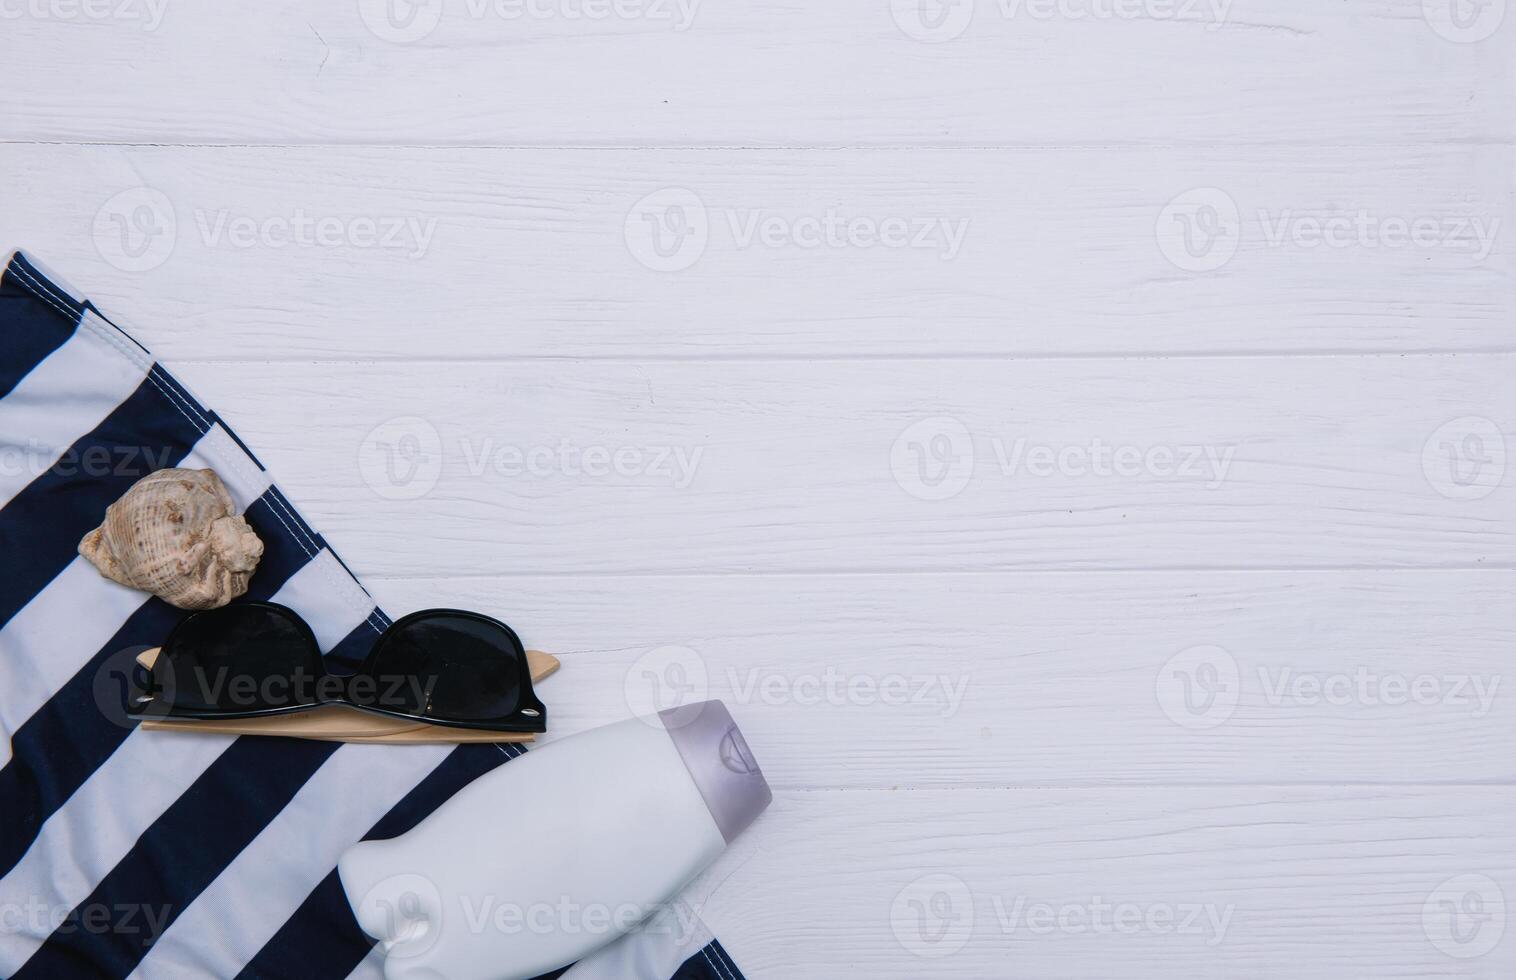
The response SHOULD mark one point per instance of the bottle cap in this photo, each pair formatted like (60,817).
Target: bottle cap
(720,763)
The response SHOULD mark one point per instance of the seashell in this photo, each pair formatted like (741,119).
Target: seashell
(176,534)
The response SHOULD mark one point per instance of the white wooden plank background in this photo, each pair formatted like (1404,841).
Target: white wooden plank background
(844,73)
(527,252)
(1357,548)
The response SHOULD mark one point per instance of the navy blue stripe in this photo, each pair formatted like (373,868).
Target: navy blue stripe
(183,852)
(348,655)
(34,279)
(698,967)
(30,278)
(296,523)
(72,735)
(41,526)
(322,939)
(30,329)
(180,396)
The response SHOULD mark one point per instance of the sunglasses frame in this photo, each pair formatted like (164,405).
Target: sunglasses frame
(529,715)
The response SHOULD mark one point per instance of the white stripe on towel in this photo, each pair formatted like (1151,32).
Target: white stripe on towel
(371,967)
(65,397)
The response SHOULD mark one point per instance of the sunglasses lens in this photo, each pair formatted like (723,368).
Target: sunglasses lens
(455,667)
(239,658)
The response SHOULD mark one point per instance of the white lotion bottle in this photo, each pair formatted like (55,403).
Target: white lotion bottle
(541,861)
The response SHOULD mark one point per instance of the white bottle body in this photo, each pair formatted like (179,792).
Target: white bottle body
(537,863)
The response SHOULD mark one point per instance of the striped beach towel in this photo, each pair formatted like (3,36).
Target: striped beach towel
(125,852)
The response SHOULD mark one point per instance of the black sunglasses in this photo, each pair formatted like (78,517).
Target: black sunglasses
(251,659)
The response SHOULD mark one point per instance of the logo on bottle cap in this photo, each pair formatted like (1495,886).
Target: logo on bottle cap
(735,754)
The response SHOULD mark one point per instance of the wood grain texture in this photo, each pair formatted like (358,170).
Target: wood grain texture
(1371,72)
(777,466)
(1319,883)
(1143,689)
(904,681)
(513,253)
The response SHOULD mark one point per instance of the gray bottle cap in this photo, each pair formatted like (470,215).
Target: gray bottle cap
(720,763)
